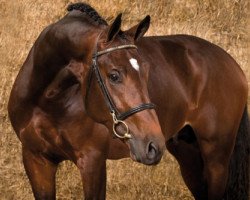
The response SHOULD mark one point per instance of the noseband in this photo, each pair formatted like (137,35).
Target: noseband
(116,115)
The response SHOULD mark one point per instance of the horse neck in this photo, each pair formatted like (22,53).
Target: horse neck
(49,55)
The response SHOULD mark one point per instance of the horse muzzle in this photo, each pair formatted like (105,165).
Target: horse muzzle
(148,153)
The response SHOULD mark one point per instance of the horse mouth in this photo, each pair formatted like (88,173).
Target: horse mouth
(149,156)
(134,158)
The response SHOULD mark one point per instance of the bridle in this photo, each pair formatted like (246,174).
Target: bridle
(116,115)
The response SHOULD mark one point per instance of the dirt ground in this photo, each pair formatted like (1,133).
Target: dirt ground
(224,22)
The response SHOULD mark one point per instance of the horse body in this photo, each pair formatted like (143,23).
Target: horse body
(186,82)
(47,107)
(199,91)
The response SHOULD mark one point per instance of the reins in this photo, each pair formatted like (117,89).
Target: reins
(116,115)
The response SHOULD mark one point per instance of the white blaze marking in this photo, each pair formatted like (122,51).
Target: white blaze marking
(134,64)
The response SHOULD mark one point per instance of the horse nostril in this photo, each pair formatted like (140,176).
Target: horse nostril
(151,151)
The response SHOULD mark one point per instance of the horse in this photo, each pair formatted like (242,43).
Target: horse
(84,79)
(81,72)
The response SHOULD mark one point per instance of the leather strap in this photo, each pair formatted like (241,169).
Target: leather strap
(132,111)
(104,89)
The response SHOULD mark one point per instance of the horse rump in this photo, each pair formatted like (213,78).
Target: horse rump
(238,179)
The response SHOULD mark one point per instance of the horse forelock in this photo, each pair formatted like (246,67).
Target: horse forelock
(89,11)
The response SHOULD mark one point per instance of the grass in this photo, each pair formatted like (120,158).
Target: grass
(223,22)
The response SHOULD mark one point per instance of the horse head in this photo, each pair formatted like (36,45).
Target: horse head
(117,94)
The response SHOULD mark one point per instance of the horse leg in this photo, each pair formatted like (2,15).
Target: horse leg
(41,173)
(216,157)
(92,166)
(185,149)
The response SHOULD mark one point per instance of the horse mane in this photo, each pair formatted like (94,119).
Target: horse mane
(89,11)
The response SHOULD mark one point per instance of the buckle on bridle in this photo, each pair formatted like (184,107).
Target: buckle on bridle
(117,122)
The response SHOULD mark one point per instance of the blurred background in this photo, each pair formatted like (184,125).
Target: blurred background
(223,22)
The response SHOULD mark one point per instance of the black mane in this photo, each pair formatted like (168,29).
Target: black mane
(89,11)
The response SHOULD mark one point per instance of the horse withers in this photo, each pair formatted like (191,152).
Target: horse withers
(81,71)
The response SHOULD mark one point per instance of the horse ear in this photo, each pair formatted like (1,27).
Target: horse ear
(114,28)
(140,29)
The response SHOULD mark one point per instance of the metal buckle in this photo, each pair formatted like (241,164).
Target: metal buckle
(126,135)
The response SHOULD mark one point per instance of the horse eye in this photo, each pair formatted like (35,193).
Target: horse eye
(114,77)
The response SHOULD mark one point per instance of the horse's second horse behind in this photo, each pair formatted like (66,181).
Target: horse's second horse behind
(81,71)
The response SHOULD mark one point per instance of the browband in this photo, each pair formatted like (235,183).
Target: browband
(126,46)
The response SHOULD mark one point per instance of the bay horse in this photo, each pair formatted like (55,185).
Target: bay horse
(84,79)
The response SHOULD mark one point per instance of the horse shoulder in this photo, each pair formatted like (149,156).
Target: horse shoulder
(221,93)
(191,79)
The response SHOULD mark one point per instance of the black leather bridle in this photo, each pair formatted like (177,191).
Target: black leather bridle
(117,116)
